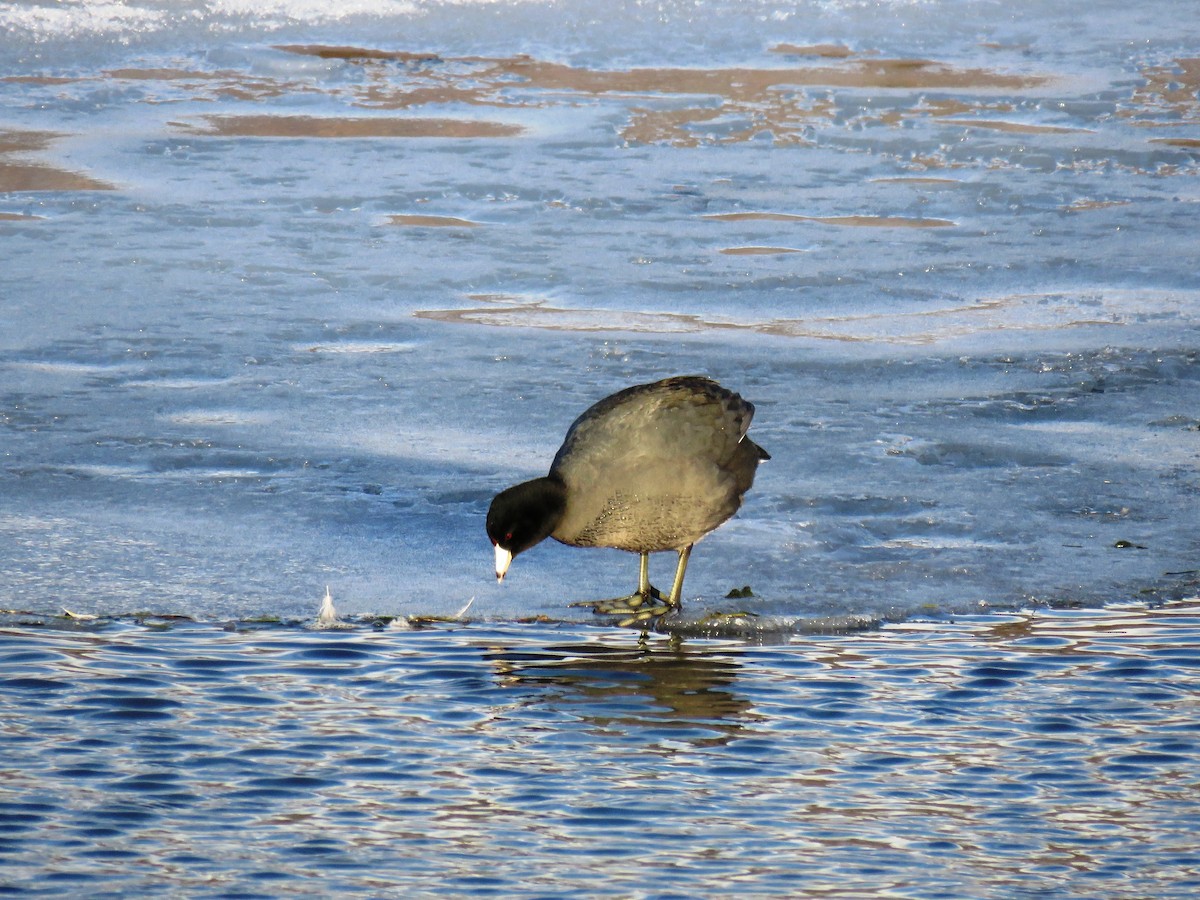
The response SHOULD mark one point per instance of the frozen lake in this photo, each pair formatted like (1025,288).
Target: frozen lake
(289,290)
(288,295)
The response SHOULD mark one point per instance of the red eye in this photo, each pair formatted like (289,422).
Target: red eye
(508,537)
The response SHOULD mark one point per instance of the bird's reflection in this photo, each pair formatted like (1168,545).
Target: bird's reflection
(648,685)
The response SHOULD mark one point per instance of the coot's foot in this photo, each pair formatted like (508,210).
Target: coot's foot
(637,607)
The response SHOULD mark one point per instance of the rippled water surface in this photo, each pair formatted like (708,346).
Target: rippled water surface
(1049,754)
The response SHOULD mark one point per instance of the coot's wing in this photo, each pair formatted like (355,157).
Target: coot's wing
(685,417)
(656,466)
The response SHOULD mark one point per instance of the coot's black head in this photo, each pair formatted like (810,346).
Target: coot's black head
(524,515)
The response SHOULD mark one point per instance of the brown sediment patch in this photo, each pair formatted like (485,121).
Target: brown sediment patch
(1080,205)
(161,74)
(1185,143)
(826,51)
(747,83)
(923,162)
(38,79)
(23,175)
(883,221)
(400,79)
(677,126)
(433,221)
(854,221)
(933,108)
(730,82)
(1013,127)
(225,84)
(786,118)
(327,51)
(759,251)
(346,127)
(741,103)
(32,177)
(26,141)
(1171,93)
(222,84)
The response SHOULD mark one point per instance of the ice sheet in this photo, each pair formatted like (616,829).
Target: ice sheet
(289,294)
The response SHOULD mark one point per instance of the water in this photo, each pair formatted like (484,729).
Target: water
(289,291)
(1050,754)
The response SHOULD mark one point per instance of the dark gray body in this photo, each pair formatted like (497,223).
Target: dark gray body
(656,466)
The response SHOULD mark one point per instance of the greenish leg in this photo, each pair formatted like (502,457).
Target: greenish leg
(640,605)
(676,599)
(670,604)
(648,603)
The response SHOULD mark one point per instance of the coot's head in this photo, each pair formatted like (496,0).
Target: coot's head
(524,515)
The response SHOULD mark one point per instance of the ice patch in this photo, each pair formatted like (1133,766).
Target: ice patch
(312,12)
(359,347)
(76,18)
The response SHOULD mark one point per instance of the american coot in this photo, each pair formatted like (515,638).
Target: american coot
(653,467)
